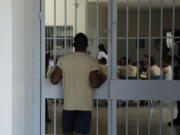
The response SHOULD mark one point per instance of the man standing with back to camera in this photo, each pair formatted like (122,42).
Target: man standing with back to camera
(79,73)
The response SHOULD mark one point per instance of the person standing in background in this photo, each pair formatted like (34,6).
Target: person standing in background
(103,66)
(102,53)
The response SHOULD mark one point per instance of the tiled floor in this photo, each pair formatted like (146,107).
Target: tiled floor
(155,113)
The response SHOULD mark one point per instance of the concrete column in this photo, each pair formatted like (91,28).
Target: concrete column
(6,67)
(19,41)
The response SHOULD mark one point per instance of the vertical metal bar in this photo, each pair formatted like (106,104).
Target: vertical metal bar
(46,30)
(87,16)
(50,41)
(110,14)
(109,117)
(55,32)
(46,41)
(114,117)
(150,23)
(173,33)
(172,117)
(160,122)
(114,41)
(161,44)
(46,38)
(51,47)
(43,117)
(149,118)
(97,25)
(137,117)
(97,117)
(55,122)
(127,37)
(75,17)
(65,22)
(138,31)
(110,40)
(127,117)
(42,70)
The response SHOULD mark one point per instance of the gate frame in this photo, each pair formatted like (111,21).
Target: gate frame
(114,87)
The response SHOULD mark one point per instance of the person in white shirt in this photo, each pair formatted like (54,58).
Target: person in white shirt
(102,53)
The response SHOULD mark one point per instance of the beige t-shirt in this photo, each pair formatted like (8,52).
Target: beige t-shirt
(155,71)
(76,68)
(132,71)
(103,69)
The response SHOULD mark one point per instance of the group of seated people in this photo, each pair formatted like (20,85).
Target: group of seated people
(147,69)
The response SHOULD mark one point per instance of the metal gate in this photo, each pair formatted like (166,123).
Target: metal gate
(129,29)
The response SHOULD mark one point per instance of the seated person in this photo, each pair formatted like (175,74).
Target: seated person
(143,67)
(132,70)
(167,69)
(122,61)
(103,66)
(144,63)
(154,70)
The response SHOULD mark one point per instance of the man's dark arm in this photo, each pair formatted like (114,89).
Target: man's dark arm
(97,78)
(56,76)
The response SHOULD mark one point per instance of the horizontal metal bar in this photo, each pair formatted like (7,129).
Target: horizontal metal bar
(63,38)
(100,38)
(52,51)
(144,89)
(70,37)
(106,38)
(134,38)
(55,91)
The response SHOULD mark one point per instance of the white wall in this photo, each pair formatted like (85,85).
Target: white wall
(18,67)
(60,11)
(26,84)
(6,67)
(19,27)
